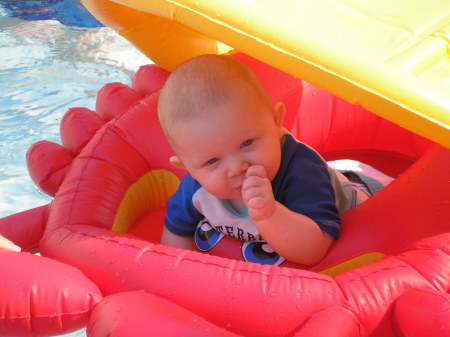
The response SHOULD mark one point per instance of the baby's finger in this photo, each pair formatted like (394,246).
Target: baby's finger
(256,170)
(260,208)
(256,202)
(254,181)
(254,192)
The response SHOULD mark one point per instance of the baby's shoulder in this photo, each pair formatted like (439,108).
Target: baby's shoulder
(298,153)
(188,185)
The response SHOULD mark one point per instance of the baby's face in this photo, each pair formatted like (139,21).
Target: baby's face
(218,150)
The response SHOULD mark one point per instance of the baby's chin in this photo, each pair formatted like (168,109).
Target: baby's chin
(236,194)
(237,204)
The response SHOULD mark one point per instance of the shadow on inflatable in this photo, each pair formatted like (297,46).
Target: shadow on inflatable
(102,266)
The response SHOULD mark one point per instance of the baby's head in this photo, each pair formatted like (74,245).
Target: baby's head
(211,105)
(200,84)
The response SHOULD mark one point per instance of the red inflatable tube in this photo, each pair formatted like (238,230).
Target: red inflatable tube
(42,297)
(274,301)
(407,223)
(250,299)
(420,313)
(331,322)
(26,228)
(113,317)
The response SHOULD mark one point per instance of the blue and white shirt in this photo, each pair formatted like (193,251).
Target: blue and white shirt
(304,183)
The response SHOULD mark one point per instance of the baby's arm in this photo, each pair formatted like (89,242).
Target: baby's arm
(294,236)
(170,239)
(8,245)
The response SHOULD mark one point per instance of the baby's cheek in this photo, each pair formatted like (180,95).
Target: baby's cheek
(213,186)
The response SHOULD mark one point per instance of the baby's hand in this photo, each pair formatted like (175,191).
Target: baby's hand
(257,193)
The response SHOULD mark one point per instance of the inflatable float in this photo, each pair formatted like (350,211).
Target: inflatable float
(102,266)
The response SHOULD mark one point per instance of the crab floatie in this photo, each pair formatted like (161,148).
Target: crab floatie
(388,274)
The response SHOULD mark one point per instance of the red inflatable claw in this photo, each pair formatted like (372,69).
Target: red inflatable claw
(393,254)
(114,99)
(78,125)
(47,164)
(149,79)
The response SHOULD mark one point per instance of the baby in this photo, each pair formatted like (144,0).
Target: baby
(247,177)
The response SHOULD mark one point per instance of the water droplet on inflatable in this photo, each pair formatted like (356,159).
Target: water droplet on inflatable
(273,294)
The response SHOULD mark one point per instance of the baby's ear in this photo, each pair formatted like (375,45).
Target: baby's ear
(279,111)
(176,162)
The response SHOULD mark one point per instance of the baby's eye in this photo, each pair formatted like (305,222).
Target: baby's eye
(212,161)
(248,142)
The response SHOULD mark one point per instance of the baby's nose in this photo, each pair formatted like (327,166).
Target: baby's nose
(236,167)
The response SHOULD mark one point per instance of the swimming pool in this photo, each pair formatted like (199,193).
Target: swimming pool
(47,68)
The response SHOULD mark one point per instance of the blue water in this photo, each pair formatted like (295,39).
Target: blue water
(45,69)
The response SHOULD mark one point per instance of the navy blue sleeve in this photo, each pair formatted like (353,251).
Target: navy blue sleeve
(303,185)
(181,215)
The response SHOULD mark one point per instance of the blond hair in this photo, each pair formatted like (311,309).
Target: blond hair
(201,83)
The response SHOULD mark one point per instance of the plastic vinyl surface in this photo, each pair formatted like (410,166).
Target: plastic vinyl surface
(126,159)
(111,175)
(390,57)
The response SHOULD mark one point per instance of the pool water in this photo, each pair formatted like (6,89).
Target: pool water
(47,68)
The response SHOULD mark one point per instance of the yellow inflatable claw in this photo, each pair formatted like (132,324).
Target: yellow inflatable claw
(390,57)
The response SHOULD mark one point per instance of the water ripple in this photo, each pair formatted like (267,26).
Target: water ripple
(48,68)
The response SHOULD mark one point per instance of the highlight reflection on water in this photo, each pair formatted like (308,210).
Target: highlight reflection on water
(47,68)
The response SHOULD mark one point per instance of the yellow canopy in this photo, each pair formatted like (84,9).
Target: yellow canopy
(390,56)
